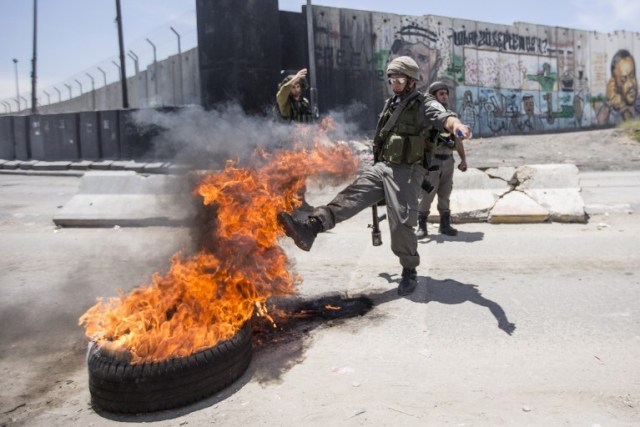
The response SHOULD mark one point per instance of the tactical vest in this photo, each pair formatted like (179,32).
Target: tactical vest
(406,142)
(300,111)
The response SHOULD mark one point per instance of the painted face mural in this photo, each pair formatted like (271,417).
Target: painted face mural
(419,44)
(624,74)
(622,90)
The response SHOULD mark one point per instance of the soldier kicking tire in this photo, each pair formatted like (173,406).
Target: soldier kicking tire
(120,387)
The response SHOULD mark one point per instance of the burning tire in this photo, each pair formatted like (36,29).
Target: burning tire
(120,387)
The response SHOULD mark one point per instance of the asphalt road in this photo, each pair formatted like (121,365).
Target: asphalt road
(521,324)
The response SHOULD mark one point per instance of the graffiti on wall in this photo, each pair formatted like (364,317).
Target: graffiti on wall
(504,79)
(501,40)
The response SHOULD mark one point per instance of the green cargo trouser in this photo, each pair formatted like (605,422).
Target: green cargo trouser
(399,185)
(442,182)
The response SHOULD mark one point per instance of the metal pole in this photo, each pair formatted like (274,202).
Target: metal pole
(7,106)
(15,64)
(123,70)
(93,91)
(136,62)
(26,103)
(34,100)
(135,58)
(79,84)
(69,87)
(48,97)
(180,66)
(155,69)
(116,64)
(59,94)
(104,76)
(312,61)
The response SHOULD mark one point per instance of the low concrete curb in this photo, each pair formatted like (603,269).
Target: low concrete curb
(103,165)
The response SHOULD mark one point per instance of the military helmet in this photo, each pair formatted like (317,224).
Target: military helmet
(436,86)
(302,82)
(404,65)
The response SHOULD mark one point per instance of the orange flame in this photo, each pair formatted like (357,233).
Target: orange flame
(207,298)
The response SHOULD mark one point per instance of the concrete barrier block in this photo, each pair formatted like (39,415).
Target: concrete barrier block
(505,173)
(475,179)
(135,167)
(81,165)
(11,164)
(155,167)
(517,207)
(103,165)
(468,205)
(125,198)
(563,204)
(28,164)
(120,165)
(53,166)
(547,176)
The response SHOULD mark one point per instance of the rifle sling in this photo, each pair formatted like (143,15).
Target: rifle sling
(396,113)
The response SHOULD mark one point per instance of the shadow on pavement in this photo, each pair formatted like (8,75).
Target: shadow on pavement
(277,348)
(446,291)
(463,236)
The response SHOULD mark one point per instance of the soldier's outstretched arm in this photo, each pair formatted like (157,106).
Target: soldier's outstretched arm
(444,120)
(456,127)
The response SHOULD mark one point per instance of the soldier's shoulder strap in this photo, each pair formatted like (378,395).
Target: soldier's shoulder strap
(399,109)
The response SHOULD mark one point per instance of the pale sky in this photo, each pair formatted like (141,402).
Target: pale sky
(77,36)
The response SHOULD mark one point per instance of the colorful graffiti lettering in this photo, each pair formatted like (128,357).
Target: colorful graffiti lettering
(503,40)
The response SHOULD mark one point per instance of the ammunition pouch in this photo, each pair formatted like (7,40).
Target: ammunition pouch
(399,149)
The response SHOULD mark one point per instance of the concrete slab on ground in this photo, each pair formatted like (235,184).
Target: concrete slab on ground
(556,187)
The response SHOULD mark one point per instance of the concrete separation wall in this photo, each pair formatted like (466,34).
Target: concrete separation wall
(506,79)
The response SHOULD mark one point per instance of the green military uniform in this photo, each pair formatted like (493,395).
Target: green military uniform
(440,178)
(396,176)
(289,109)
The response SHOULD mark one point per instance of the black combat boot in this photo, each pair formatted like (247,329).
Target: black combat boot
(421,231)
(303,233)
(409,281)
(445,225)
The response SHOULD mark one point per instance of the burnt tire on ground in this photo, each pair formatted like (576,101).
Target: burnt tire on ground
(120,387)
